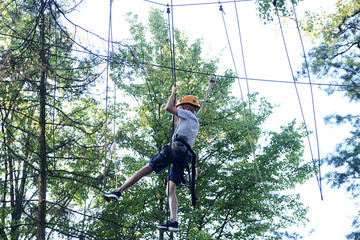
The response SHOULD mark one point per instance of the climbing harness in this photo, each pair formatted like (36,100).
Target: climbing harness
(186,99)
(192,175)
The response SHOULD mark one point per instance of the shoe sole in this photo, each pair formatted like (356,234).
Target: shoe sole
(110,198)
(171,229)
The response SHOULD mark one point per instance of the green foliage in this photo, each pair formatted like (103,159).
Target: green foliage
(74,121)
(336,59)
(235,199)
(239,197)
(194,233)
(267,9)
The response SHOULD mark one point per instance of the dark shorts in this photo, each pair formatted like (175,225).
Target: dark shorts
(161,161)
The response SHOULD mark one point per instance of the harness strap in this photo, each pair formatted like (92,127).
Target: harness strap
(193,173)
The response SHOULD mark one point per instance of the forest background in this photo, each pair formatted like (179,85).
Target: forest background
(61,147)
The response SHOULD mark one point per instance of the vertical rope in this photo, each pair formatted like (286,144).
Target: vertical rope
(114,138)
(113,142)
(107,95)
(110,41)
(173,45)
(173,75)
(248,117)
(299,101)
(248,125)
(211,84)
(312,97)
(54,96)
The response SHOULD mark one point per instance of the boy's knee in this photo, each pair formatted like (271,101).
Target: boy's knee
(170,193)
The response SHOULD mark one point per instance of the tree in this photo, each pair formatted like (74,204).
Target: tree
(238,197)
(46,139)
(336,59)
(267,11)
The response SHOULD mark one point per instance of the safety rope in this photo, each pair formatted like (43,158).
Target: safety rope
(106,144)
(250,126)
(54,97)
(195,3)
(317,174)
(169,11)
(210,86)
(248,119)
(312,97)
(113,152)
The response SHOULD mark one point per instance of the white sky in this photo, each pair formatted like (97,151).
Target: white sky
(265,58)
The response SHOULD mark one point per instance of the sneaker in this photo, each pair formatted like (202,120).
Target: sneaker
(171,226)
(112,196)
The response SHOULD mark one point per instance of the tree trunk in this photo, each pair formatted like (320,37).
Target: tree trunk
(42,141)
(3,213)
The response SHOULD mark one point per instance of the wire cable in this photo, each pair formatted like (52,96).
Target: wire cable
(298,97)
(196,4)
(249,126)
(240,88)
(54,96)
(248,119)
(169,11)
(107,98)
(113,144)
(312,97)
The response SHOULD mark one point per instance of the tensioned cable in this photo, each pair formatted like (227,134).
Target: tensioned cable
(173,45)
(177,69)
(235,77)
(248,125)
(196,4)
(240,88)
(299,100)
(107,93)
(190,71)
(54,96)
(154,65)
(110,41)
(173,75)
(312,97)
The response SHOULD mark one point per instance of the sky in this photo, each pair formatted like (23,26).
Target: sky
(265,58)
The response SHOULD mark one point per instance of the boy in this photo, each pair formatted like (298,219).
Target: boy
(187,127)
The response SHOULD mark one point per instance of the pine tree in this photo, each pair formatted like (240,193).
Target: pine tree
(336,59)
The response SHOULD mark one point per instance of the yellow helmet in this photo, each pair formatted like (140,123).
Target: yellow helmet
(190,99)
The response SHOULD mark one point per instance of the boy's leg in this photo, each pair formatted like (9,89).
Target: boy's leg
(173,202)
(115,195)
(172,224)
(146,170)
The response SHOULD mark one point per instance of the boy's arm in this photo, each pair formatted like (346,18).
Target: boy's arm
(170,104)
(176,120)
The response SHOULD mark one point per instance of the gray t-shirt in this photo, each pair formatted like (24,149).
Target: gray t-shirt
(188,126)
